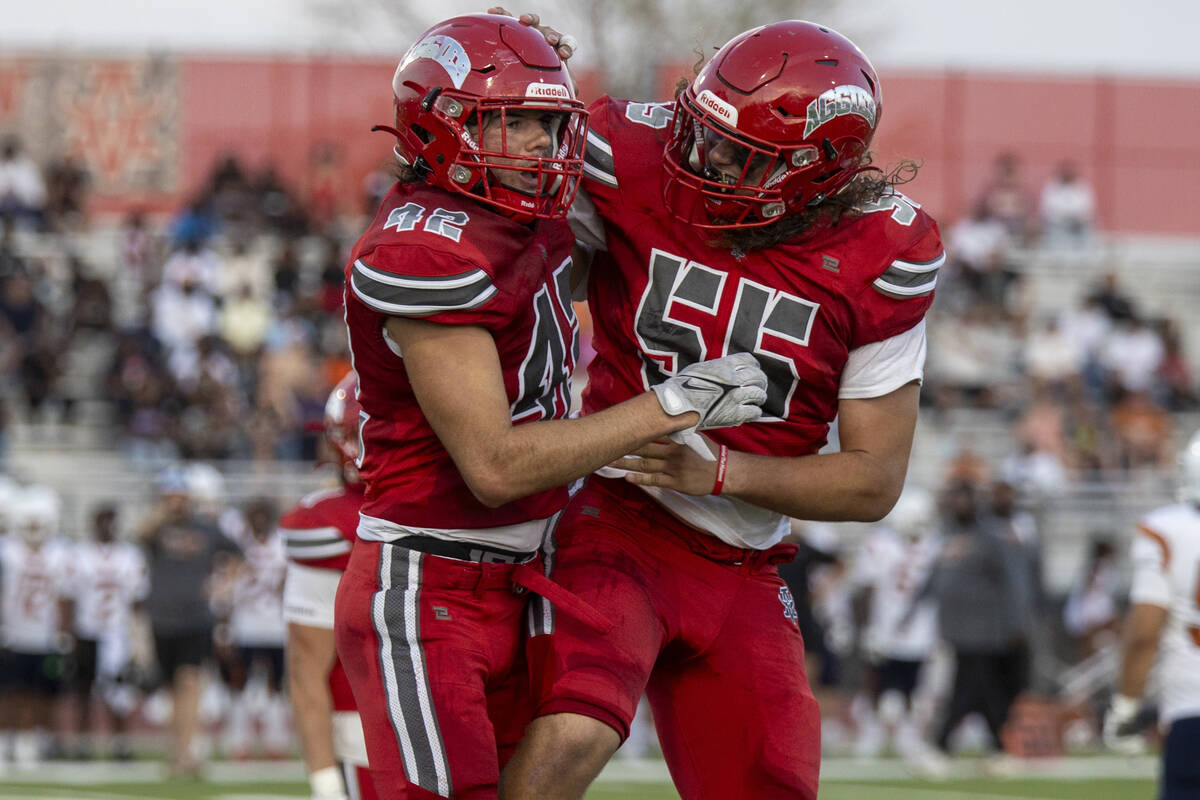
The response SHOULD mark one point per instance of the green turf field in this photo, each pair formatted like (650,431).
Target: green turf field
(979,789)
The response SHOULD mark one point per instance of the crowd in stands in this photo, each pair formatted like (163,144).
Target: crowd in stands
(1089,388)
(233,332)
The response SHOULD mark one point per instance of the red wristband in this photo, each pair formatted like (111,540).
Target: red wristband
(722,463)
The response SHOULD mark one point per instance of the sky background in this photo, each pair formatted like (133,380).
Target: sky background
(1152,37)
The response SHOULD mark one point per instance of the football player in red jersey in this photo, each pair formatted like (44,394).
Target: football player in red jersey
(741,217)
(463,339)
(318,534)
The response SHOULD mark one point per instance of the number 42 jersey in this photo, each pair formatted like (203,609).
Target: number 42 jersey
(837,313)
(442,258)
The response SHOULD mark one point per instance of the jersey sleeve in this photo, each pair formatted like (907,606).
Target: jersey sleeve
(880,368)
(419,282)
(1150,556)
(599,167)
(899,295)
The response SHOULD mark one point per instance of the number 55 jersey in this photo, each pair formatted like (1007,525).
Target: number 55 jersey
(836,313)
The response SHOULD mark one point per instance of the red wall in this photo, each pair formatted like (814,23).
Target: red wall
(1134,139)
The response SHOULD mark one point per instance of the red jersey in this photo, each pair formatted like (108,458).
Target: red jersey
(662,298)
(440,257)
(319,531)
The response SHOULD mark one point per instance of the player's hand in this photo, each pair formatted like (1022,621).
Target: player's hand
(725,391)
(1122,728)
(671,466)
(564,44)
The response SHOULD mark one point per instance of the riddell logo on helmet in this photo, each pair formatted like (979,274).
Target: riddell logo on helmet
(547,90)
(838,102)
(719,107)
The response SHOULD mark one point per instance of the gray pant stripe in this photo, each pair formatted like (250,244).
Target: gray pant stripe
(402,663)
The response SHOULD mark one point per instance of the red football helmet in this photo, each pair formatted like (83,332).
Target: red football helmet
(776,122)
(342,417)
(474,71)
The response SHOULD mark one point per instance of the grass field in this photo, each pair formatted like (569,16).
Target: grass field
(1070,779)
(980,789)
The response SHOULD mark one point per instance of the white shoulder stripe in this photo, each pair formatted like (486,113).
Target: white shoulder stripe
(338,548)
(598,141)
(596,174)
(920,266)
(309,534)
(904,291)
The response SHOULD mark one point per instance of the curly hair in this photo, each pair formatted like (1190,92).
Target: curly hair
(867,187)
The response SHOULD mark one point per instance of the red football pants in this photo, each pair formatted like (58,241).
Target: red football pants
(706,630)
(433,650)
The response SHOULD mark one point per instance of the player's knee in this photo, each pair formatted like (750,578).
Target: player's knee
(559,757)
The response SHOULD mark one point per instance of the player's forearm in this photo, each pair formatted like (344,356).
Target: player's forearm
(1136,665)
(541,455)
(847,486)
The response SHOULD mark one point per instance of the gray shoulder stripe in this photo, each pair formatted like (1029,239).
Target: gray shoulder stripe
(905,274)
(598,142)
(599,159)
(406,301)
(420,281)
(904,292)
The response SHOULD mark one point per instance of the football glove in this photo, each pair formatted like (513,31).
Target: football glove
(725,391)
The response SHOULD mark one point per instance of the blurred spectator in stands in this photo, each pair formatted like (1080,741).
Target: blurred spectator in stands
(333,278)
(1111,298)
(978,246)
(1038,474)
(973,358)
(1068,208)
(1175,378)
(32,345)
(66,187)
(287,393)
(184,550)
(22,189)
(279,210)
(286,272)
(137,251)
(10,259)
(245,265)
(1142,431)
(1088,447)
(194,264)
(195,223)
(1132,354)
(231,197)
(325,182)
(1090,614)
(88,342)
(1053,359)
(183,307)
(976,586)
(245,319)
(1006,198)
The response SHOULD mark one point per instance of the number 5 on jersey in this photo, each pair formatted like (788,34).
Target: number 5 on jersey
(689,313)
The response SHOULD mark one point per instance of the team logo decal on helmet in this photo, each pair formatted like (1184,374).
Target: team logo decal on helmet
(446,51)
(485,107)
(836,102)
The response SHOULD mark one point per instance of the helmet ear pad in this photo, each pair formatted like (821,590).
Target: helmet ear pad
(461,71)
(799,95)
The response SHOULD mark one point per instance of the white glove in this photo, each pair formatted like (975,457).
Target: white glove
(725,392)
(1121,730)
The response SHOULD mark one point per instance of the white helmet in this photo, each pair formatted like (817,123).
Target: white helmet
(35,513)
(914,514)
(1189,468)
